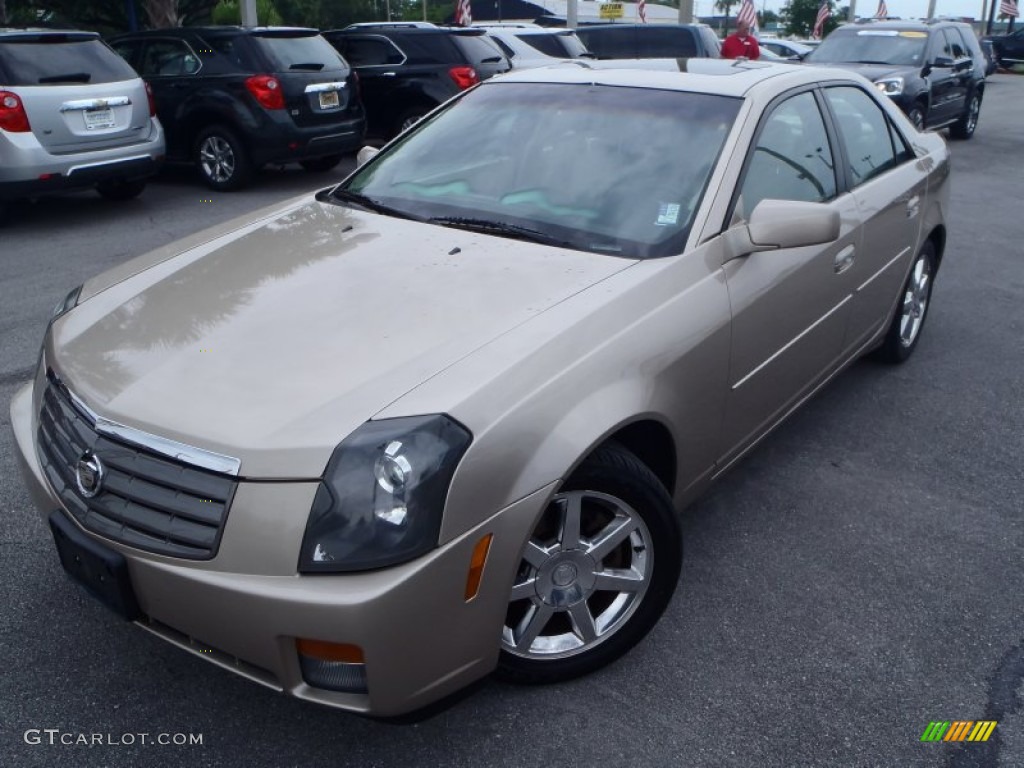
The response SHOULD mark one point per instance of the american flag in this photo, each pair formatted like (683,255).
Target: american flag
(819,23)
(1009,8)
(641,10)
(747,14)
(882,12)
(463,14)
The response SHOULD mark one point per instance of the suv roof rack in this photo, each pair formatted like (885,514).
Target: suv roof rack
(393,25)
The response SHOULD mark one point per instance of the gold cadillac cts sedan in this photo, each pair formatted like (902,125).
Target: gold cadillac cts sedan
(440,420)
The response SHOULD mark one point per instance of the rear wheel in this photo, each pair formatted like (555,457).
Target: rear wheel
(409,118)
(905,329)
(221,159)
(964,127)
(596,574)
(117,189)
(321,164)
(918,115)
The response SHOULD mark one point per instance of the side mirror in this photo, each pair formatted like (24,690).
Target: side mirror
(776,224)
(365,155)
(943,62)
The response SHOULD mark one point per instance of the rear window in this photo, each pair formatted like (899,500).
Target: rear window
(547,44)
(309,53)
(479,49)
(56,60)
(610,43)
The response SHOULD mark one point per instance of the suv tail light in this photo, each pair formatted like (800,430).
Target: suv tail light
(464,77)
(13,117)
(266,90)
(152,102)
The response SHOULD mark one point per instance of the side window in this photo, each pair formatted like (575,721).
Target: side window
(666,43)
(940,46)
(955,44)
(371,52)
(169,58)
(127,50)
(792,159)
(865,131)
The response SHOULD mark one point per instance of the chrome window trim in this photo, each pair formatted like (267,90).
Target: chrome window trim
(189,454)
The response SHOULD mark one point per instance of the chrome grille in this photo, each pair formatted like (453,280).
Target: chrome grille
(146,500)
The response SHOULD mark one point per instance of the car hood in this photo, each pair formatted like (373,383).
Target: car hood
(273,342)
(870,71)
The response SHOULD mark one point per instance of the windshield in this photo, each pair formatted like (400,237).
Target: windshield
(299,52)
(596,168)
(872,46)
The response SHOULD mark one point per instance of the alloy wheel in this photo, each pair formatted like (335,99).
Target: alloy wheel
(915,301)
(217,158)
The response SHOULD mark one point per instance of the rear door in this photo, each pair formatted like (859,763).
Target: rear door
(382,71)
(173,69)
(79,95)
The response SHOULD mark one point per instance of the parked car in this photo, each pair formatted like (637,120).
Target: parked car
(787,49)
(408,69)
(234,99)
(991,61)
(73,115)
(536,46)
(448,410)
(1008,49)
(650,41)
(934,70)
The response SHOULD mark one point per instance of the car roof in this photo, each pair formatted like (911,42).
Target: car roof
(30,33)
(218,29)
(908,24)
(725,77)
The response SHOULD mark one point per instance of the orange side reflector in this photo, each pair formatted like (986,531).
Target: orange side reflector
(324,651)
(476,566)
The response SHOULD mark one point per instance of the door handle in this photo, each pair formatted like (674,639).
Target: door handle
(913,206)
(844,259)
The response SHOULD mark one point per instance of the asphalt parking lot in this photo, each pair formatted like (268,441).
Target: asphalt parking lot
(859,575)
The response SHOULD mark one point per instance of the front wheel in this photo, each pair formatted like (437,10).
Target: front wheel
(917,115)
(905,329)
(596,574)
(964,127)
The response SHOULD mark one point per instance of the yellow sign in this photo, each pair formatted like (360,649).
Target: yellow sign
(611,11)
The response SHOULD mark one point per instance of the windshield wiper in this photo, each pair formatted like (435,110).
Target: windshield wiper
(502,229)
(345,196)
(71,77)
(869,61)
(311,66)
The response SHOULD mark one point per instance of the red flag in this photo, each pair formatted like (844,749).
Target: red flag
(641,10)
(1009,8)
(883,11)
(747,13)
(463,13)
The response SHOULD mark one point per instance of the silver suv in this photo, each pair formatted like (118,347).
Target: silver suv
(73,115)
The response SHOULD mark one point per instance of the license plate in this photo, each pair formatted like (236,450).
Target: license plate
(103,572)
(99,118)
(329,99)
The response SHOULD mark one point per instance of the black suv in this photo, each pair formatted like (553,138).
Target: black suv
(405,70)
(934,70)
(650,41)
(233,99)
(1007,49)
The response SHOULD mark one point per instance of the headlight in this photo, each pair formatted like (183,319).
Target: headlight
(66,304)
(891,86)
(382,496)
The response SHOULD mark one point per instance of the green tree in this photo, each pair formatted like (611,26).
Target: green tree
(799,17)
(108,16)
(230,12)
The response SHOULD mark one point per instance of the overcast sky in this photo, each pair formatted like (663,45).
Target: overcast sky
(908,9)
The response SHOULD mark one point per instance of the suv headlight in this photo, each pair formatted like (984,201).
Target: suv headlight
(383,493)
(890,86)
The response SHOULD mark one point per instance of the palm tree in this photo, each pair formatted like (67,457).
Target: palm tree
(725,6)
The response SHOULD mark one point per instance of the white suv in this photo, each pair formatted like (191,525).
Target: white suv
(536,46)
(73,115)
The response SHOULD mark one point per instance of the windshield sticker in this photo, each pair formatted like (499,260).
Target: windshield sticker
(668,213)
(913,34)
(877,33)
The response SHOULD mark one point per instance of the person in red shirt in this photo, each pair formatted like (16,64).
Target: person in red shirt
(741,44)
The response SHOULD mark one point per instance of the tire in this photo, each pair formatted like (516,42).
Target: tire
(116,189)
(321,164)
(221,159)
(964,127)
(409,118)
(581,600)
(918,115)
(915,297)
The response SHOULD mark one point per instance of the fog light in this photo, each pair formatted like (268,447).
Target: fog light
(332,666)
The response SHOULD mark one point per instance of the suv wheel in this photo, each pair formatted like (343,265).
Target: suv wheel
(321,164)
(918,115)
(409,118)
(221,159)
(118,189)
(964,127)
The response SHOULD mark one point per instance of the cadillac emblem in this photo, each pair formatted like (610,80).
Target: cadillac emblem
(89,474)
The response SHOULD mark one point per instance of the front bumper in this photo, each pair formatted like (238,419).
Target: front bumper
(244,609)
